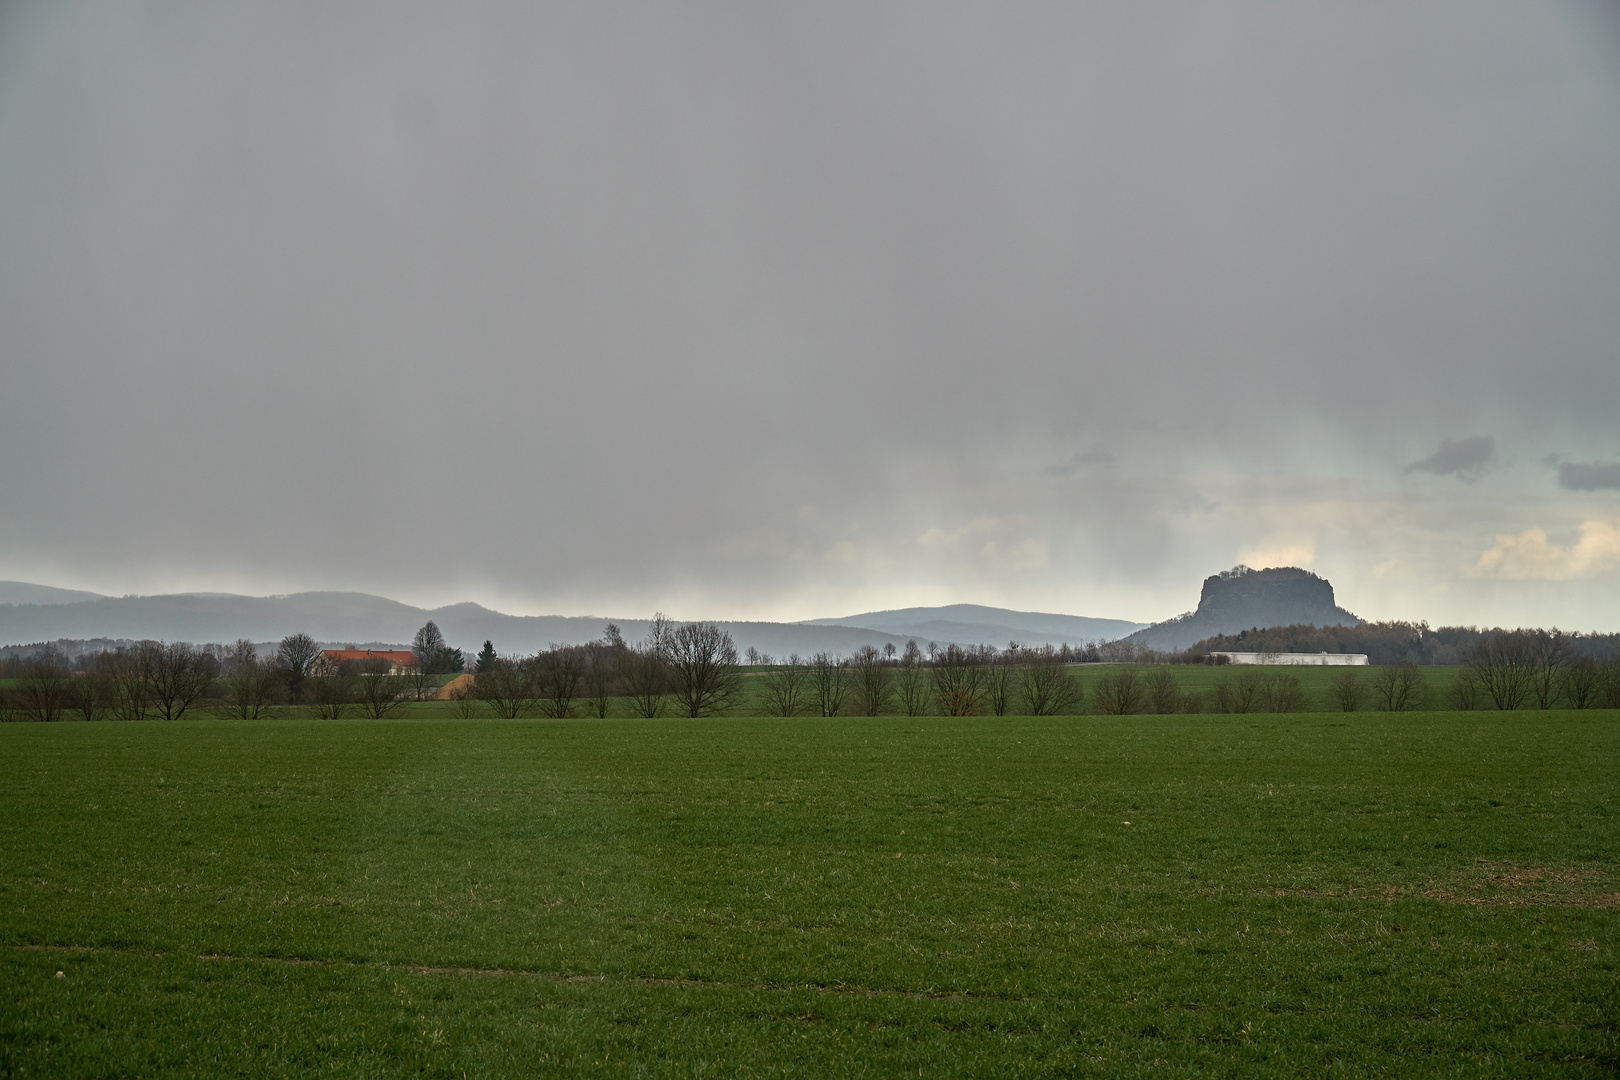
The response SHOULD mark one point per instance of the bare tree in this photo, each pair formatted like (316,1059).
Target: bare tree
(1346,690)
(602,664)
(422,684)
(464,701)
(1162,692)
(45,691)
(249,684)
(379,694)
(428,646)
(180,674)
(1280,692)
(911,683)
(1582,682)
(130,669)
(295,657)
(507,687)
(785,688)
(1398,687)
(703,668)
(1465,692)
(1550,654)
(645,679)
(92,693)
(1045,686)
(1125,652)
(658,633)
(998,681)
(1118,693)
(957,678)
(869,677)
(1609,693)
(1504,664)
(829,682)
(330,697)
(240,655)
(1238,694)
(434,657)
(558,672)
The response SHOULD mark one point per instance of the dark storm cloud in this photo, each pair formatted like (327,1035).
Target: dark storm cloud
(1465,458)
(747,309)
(1596,476)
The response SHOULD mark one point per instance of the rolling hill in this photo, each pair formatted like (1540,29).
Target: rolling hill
(972,624)
(54,614)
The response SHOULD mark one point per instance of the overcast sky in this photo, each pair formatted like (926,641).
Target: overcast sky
(794,310)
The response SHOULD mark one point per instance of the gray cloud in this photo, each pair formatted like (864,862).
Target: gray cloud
(1086,459)
(1465,458)
(579,308)
(1596,476)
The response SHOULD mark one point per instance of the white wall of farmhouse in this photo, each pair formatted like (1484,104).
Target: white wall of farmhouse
(1324,659)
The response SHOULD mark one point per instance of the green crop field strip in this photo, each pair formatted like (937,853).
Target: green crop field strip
(1199,679)
(1345,895)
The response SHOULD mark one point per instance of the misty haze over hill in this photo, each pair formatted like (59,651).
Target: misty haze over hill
(53,614)
(22,592)
(974,623)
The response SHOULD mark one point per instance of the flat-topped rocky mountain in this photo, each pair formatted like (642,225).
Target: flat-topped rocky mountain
(1242,599)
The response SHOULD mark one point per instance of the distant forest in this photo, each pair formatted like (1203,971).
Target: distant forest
(1385,642)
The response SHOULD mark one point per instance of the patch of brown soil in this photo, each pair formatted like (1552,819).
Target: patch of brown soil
(447,692)
(1488,882)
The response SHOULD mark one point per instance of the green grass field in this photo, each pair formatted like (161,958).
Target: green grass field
(1429,894)
(1200,679)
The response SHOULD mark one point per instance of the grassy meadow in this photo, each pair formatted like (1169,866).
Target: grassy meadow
(1200,679)
(1418,894)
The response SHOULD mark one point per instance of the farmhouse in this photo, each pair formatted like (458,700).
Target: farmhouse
(398,662)
(1322,659)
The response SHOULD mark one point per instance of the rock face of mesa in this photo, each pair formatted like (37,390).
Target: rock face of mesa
(1242,599)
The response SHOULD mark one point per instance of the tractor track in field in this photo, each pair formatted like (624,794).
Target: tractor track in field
(524,973)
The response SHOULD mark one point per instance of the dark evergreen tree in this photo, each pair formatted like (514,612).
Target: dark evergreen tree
(486,658)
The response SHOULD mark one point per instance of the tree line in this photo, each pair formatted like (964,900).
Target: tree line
(166,680)
(682,671)
(694,670)
(690,669)
(1390,642)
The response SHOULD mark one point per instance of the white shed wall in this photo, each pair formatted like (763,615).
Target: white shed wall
(1324,659)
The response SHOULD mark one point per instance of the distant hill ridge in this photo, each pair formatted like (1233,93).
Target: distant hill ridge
(1241,599)
(361,617)
(1232,601)
(972,624)
(23,592)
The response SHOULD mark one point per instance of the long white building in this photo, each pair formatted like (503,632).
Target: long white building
(1319,659)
